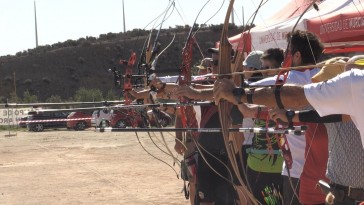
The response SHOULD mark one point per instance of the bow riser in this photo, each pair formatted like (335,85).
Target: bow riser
(187,112)
(127,80)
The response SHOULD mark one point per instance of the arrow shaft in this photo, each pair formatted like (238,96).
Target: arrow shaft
(297,130)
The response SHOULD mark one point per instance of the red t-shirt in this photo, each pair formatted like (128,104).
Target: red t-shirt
(315,166)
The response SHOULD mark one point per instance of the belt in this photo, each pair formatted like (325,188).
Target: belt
(351,192)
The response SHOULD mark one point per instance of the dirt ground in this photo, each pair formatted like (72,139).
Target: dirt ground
(85,167)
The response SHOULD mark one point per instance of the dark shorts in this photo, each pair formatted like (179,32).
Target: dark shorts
(210,186)
(288,192)
(258,181)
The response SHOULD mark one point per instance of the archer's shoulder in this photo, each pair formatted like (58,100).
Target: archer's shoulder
(351,76)
(356,73)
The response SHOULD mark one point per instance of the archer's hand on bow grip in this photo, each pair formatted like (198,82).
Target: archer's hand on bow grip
(278,114)
(223,90)
(186,91)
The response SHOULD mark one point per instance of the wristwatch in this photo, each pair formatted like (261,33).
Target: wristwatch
(238,93)
(290,114)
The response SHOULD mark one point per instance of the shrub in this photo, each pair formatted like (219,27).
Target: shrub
(88,95)
(81,60)
(29,98)
(2,99)
(46,80)
(110,36)
(90,39)
(8,78)
(71,69)
(75,77)
(13,98)
(70,43)
(28,81)
(85,44)
(110,95)
(54,99)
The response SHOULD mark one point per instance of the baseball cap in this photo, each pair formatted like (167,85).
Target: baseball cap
(205,63)
(253,60)
(330,70)
(213,50)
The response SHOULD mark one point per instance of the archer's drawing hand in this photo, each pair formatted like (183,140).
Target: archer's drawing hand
(179,148)
(186,91)
(143,94)
(223,89)
(277,113)
(156,82)
(133,93)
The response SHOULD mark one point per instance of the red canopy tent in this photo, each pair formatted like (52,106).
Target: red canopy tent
(339,24)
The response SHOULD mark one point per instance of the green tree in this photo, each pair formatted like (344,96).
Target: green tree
(2,99)
(13,98)
(88,95)
(54,99)
(110,95)
(29,98)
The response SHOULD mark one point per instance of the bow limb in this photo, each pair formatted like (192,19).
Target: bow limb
(151,62)
(188,116)
(237,65)
(127,79)
(175,160)
(170,43)
(245,197)
(150,154)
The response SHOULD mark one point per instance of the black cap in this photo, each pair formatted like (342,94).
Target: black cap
(216,51)
(213,50)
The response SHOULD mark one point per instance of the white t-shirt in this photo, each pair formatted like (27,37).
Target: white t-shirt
(294,77)
(343,94)
(296,143)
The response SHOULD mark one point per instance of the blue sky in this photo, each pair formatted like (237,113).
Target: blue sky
(60,20)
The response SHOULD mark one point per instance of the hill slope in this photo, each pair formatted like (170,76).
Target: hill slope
(62,68)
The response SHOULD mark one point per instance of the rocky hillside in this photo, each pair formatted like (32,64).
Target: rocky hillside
(62,68)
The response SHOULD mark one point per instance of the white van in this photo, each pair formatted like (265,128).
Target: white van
(98,115)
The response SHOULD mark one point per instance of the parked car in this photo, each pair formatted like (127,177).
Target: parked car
(82,122)
(164,118)
(98,116)
(122,118)
(23,123)
(39,122)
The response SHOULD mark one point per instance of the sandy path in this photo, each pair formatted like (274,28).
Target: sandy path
(68,167)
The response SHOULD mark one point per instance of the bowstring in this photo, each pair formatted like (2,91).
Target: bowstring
(197,144)
(155,61)
(165,12)
(265,25)
(152,21)
(314,135)
(289,42)
(136,133)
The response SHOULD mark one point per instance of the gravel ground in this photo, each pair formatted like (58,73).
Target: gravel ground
(85,167)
